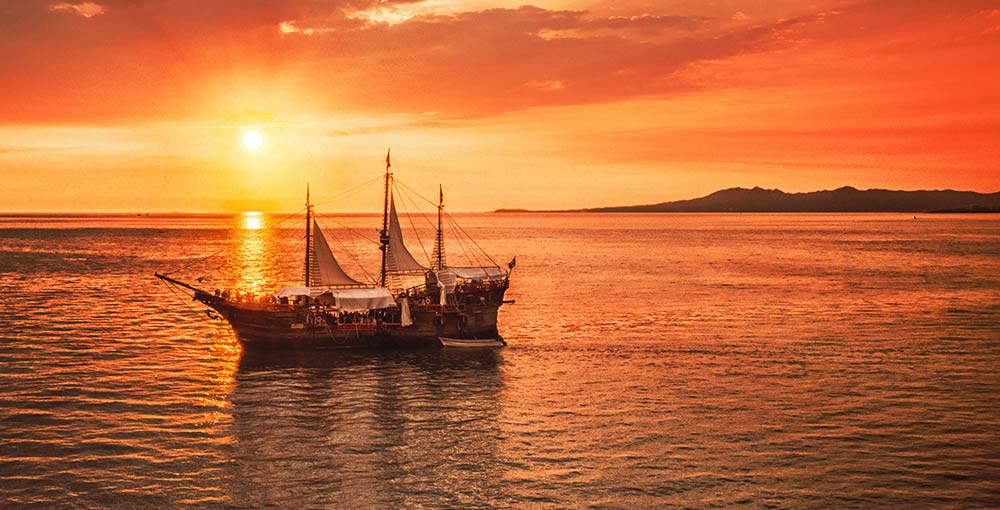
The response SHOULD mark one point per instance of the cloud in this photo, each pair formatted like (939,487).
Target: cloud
(469,63)
(20,150)
(406,57)
(647,21)
(84,9)
(382,14)
(290,27)
(495,60)
(547,85)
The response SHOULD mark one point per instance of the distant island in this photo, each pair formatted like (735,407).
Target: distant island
(845,199)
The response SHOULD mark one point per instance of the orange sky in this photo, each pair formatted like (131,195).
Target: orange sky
(118,105)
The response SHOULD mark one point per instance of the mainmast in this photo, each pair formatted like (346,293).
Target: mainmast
(384,235)
(308,228)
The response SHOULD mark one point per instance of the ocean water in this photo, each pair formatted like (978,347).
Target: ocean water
(654,361)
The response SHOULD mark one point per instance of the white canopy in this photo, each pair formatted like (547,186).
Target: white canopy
(298,290)
(475,273)
(344,299)
(448,277)
(361,299)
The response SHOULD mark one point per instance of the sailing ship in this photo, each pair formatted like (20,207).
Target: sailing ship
(332,309)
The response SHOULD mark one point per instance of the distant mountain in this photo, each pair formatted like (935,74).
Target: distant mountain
(846,199)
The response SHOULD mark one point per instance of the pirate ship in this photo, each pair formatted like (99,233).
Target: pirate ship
(331,308)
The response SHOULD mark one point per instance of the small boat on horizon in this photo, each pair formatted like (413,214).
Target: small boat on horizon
(332,309)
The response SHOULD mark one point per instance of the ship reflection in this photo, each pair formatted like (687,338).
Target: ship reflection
(343,429)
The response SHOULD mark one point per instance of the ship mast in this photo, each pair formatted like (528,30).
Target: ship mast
(384,235)
(439,242)
(308,225)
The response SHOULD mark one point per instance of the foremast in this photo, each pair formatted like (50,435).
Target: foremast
(384,234)
(308,239)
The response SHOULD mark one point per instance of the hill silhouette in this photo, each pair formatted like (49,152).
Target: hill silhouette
(845,199)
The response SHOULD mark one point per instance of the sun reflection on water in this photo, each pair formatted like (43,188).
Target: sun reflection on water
(255,257)
(252,220)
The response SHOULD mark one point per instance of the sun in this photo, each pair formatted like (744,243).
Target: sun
(252,139)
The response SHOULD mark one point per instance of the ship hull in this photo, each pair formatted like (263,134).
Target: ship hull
(284,326)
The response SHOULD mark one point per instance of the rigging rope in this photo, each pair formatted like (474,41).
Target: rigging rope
(351,230)
(415,192)
(344,193)
(277,225)
(224,248)
(465,248)
(349,253)
(454,223)
(405,194)
(414,227)
(185,302)
(473,241)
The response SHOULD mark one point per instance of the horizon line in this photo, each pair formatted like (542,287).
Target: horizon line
(496,210)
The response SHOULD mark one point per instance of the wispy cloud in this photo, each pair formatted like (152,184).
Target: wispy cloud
(546,85)
(290,27)
(84,9)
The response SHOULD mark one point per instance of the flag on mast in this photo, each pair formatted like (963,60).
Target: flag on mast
(387,164)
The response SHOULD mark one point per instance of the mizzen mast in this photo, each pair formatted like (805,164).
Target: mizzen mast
(439,262)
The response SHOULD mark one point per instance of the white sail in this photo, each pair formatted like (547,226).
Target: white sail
(399,258)
(325,270)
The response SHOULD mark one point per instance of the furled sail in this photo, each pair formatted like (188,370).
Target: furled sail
(325,270)
(406,318)
(446,282)
(399,258)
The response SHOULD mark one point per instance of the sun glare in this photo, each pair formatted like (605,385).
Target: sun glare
(252,139)
(252,220)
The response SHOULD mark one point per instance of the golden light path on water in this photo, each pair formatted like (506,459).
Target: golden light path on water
(253,220)
(254,255)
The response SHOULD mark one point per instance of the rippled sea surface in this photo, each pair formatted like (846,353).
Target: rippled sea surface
(654,361)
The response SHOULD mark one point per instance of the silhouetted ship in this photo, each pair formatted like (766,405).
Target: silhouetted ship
(333,309)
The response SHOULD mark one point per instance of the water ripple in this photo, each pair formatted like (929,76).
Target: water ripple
(690,361)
